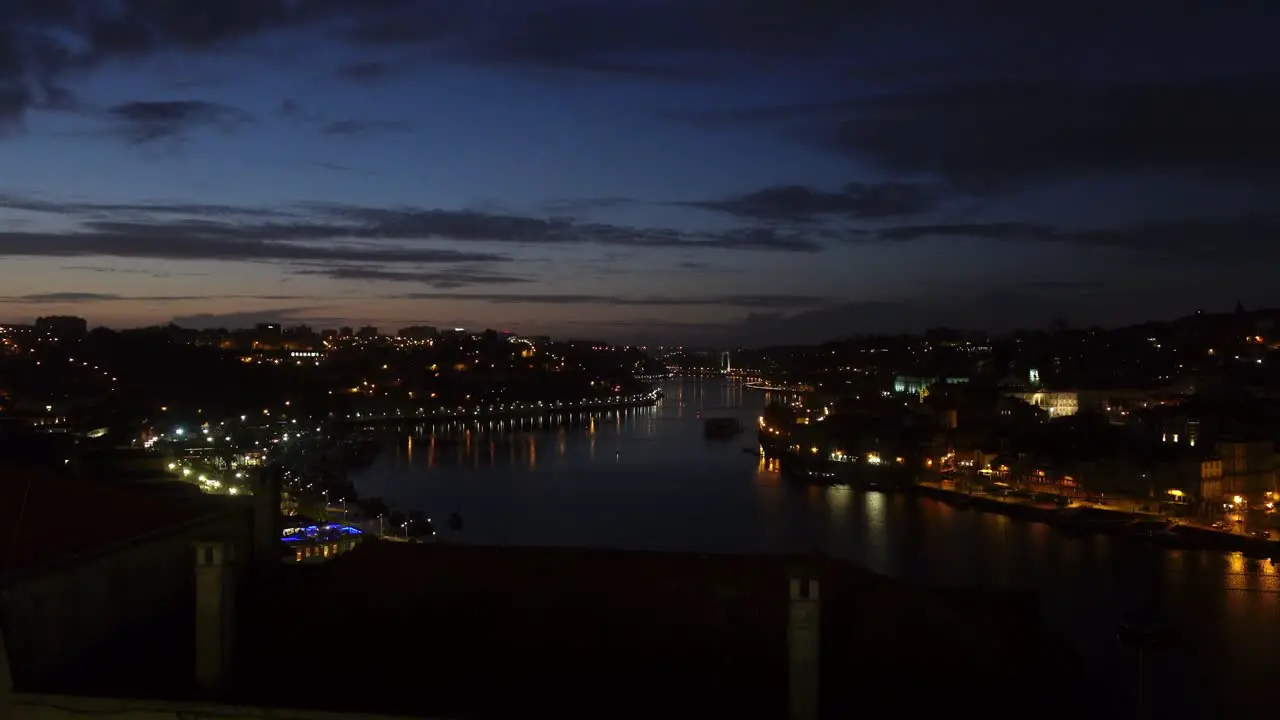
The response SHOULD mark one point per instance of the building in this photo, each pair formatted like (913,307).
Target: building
(315,543)
(158,622)
(62,326)
(96,568)
(418,332)
(1248,467)
(1056,404)
(1210,476)
(916,385)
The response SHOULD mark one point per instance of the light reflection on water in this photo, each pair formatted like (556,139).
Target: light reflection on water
(648,478)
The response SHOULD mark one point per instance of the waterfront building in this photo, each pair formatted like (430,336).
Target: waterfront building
(319,542)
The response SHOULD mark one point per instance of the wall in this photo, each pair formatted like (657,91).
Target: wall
(55,618)
(58,707)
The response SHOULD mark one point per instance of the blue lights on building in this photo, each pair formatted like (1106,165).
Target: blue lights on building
(320,542)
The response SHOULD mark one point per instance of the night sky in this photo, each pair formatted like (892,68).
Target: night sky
(697,170)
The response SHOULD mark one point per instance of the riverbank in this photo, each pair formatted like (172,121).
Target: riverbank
(1079,519)
(501,412)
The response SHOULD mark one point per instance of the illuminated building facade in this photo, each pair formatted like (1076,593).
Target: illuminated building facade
(915,385)
(1056,404)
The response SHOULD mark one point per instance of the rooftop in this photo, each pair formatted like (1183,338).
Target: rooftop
(482,631)
(47,519)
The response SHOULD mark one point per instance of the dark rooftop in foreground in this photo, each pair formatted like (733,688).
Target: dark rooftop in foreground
(478,632)
(45,519)
(486,632)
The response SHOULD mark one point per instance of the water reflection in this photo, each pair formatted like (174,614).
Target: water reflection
(768,471)
(476,445)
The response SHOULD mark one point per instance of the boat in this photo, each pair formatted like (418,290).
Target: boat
(1079,521)
(1260,550)
(721,428)
(359,452)
(1165,537)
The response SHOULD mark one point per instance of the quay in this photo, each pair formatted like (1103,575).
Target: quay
(1089,519)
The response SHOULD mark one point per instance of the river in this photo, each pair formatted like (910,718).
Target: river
(647,478)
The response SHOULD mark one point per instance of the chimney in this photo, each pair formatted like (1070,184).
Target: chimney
(802,650)
(6,681)
(215,614)
(266,519)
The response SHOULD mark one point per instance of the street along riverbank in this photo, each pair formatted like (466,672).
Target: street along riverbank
(1079,519)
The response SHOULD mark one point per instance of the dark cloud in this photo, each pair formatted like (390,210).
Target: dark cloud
(741,301)
(998,134)
(418,22)
(997,311)
(44,41)
(60,297)
(346,127)
(364,242)
(989,231)
(415,223)
(193,242)
(367,71)
(131,271)
(610,38)
(1230,240)
(762,239)
(584,206)
(992,135)
(37,203)
(662,40)
(343,234)
(144,122)
(363,127)
(54,298)
(14,101)
(249,318)
(439,279)
(797,203)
